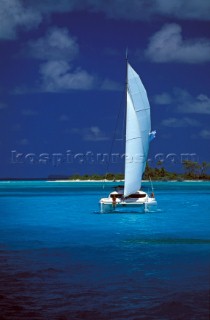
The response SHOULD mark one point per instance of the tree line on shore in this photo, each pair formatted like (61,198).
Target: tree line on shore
(192,171)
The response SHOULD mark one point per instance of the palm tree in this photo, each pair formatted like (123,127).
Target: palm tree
(190,168)
(203,168)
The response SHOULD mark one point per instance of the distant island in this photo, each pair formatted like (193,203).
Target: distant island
(192,171)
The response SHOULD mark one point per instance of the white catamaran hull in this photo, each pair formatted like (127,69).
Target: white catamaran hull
(141,205)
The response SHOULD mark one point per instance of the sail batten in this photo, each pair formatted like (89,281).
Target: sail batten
(138,127)
(133,138)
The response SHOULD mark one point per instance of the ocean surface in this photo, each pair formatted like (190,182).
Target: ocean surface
(61,259)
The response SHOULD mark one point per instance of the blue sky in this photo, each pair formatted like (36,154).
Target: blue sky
(62,82)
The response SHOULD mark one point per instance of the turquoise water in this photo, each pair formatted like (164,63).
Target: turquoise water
(61,259)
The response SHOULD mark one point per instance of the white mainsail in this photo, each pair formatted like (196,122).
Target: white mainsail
(138,127)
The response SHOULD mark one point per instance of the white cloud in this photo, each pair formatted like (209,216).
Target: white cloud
(57,44)
(92,133)
(163,98)
(29,112)
(166,136)
(180,122)
(183,102)
(57,76)
(13,14)
(130,10)
(49,6)
(2,105)
(16,127)
(187,9)
(57,48)
(23,142)
(111,85)
(22,89)
(29,13)
(168,45)
(199,104)
(205,134)
(63,118)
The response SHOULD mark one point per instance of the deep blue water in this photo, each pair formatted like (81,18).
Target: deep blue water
(61,259)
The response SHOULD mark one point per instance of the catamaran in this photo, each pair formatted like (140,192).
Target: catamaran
(138,137)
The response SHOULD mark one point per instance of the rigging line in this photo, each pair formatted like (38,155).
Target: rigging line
(114,137)
(124,123)
(151,184)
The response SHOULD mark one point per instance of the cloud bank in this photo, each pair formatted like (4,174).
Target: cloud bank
(184,102)
(58,50)
(57,76)
(199,104)
(183,122)
(205,134)
(168,45)
(93,133)
(130,10)
(57,44)
(16,14)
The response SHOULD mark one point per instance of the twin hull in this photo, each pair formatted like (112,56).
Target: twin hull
(140,202)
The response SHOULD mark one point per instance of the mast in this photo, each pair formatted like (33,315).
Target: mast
(126,81)
(126,90)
